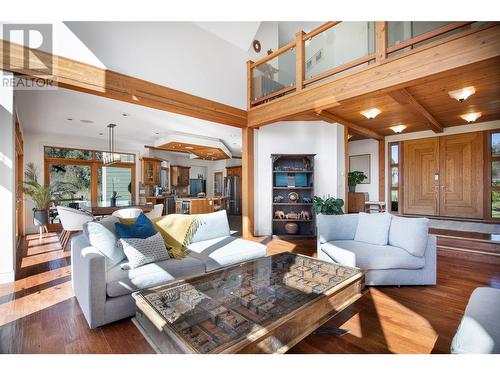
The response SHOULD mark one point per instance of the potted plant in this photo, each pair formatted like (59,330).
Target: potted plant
(354,178)
(328,206)
(114,194)
(39,194)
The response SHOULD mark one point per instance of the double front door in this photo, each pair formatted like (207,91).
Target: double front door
(443,176)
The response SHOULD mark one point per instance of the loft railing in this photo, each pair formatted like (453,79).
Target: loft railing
(339,48)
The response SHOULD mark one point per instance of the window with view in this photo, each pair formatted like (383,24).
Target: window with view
(495,175)
(394,176)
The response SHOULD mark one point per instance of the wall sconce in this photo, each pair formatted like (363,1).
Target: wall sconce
(471,117)
(398,128)
(371,113)
(462,94)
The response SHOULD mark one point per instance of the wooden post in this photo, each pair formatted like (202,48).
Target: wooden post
(249,84)
(247,182)
(380,40)
(346,168)
(381,170)
(299,60)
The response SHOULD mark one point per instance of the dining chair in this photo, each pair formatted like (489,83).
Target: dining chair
(157,211)
(72,221)
(127,213)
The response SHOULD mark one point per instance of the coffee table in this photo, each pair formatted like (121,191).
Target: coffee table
(263,306)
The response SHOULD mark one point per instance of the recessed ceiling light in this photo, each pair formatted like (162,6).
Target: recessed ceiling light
(101,133)
(462,94)
(189,147)
(349,136)
(87,121)
(398,128)
(157,133)
(125,114)
(69,119)
(371,113)
(471,117)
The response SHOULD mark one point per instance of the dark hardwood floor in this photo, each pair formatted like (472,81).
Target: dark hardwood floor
(39,314)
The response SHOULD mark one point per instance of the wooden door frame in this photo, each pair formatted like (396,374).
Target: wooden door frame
(487,175)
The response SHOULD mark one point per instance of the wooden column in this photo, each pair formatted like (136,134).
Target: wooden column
(247,182)
(299,60)
(249,84)
(346,169)
(380,40)
(381,170)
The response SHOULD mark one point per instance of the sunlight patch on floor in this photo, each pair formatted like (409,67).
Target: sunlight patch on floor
(401,325)
(32,303)
(354,326)
(44,258)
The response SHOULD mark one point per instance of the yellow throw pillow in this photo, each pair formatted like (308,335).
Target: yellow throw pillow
(177,231)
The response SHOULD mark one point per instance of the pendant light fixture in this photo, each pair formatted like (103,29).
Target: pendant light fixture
(109,158)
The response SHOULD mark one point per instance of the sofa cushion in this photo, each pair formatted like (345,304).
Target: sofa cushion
(373,228)
(122,282)
(210,226)
(141,228)
(337,227)
(371,257)
(102,236)
(225,251)
(141,251)
(479,330)
(409,234)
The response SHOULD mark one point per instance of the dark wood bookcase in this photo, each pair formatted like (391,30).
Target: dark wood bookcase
(293,173)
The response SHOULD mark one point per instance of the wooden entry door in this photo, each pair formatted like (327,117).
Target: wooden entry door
(461,182)
(421,163)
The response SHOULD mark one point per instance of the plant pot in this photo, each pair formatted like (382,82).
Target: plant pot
(113,202)
(40,217)
(352,188)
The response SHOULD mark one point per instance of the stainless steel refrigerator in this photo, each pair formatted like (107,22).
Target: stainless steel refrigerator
(232,190)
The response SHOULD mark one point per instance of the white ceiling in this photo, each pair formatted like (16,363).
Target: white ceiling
(239,34)
(48,112)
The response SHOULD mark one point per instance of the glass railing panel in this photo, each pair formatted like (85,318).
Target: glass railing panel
(401,31)
(337,46)
(274,77)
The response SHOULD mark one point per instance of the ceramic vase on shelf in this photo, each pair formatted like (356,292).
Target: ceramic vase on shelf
(292,228)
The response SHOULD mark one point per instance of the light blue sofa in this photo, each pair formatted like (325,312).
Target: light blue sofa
(104,294)
(406,257)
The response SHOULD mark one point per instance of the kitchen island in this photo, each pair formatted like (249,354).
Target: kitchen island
(191,205)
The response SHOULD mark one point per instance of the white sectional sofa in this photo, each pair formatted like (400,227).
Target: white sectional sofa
(394,250)
(104,294)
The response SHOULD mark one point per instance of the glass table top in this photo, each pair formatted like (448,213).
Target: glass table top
(212,310)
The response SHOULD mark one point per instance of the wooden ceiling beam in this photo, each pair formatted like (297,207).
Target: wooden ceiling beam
(404,98)
(393,73)
(78,76)
(330,117)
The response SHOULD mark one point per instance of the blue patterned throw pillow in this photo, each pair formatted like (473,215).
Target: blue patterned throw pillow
(141,251)
(142,228)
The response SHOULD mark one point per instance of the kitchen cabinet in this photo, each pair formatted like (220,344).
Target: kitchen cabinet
(191,206)
(233,171)
(151,170)
(180,175)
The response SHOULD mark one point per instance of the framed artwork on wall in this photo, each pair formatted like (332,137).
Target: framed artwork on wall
(361,163)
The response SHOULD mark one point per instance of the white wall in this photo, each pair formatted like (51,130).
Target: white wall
(295,137)
(367,146)
(7,182)
(34,152)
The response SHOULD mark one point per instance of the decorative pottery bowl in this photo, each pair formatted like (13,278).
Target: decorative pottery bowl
(291,228)
(293,197)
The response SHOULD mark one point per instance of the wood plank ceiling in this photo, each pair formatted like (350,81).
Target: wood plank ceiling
(431,94)
(202,152)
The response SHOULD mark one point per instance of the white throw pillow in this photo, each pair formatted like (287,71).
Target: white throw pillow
(102,236)
(373,228)
(141,251)
(409,234)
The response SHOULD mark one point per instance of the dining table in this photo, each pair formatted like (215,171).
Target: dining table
(106,209)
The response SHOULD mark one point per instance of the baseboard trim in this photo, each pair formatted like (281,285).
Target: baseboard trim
(468,250)
(7,277)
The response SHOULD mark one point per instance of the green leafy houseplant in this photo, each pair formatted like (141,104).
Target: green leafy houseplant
(39,194)
(328,206)
(354,178)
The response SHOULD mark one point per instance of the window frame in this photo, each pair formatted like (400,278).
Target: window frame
(94,165)
(398,165)
(489,159)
